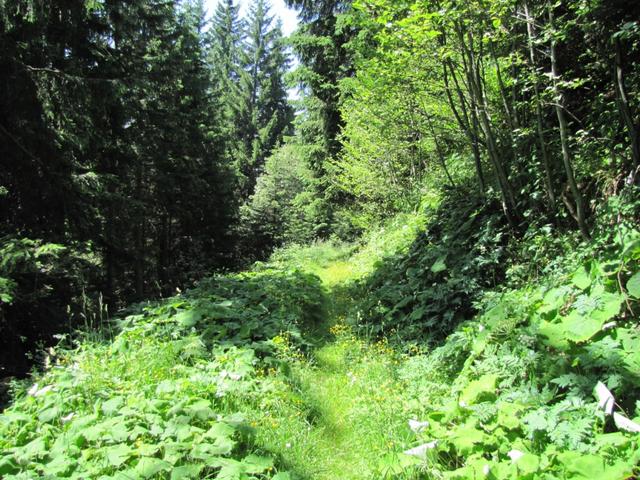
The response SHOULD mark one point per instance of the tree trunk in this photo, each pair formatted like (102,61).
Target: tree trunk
(462,117)
(439,151)
(625,111)
(578,213)
(139,249)
(546,163)
(481,109)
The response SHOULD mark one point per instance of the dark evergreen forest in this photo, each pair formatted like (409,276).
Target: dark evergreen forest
(132,132)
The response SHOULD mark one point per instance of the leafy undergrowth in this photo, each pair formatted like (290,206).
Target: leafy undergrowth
(431,286)
(308,373)
(511,393)
(164,398)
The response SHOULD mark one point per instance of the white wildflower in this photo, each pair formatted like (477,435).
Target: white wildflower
(43,391)
(515,455)
(421,450)
(417,426)
(605,398)
(623,423)
(235,376)
(481,328)
(67,418)
(485,470)
(32,391)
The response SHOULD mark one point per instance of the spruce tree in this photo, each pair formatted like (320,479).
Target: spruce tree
(264,114)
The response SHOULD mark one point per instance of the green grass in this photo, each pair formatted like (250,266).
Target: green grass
(262,375)
(338,263)
(338,413)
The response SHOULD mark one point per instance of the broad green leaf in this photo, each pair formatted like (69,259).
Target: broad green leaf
(466,437)
(187,471)
(187,318)
(527,464)
(581,278)
(112,406)
(633,285)
(631,348)
(494,315)
(206,451)
(220,430)
(608,306)
(49,415)
(35,448)
(118,429)
(118,454)
(147,467)
(554,335)
(61,466)
(439,265)
(480,390)
(282,476)
(508,414)
(200,409)
(616,439)
(257,464)
(554,299)
(580,328)
(147,449)
(587,466)
(231,470)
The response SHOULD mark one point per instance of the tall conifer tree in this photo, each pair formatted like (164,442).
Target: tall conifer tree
(264,115)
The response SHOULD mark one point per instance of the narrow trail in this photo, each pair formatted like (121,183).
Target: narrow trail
(348,393)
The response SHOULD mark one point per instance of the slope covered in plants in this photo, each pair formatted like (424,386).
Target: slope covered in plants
(283,373)
(422,264)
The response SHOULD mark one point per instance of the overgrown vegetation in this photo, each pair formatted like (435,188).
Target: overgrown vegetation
(164,396)
(239,378)
(440,240)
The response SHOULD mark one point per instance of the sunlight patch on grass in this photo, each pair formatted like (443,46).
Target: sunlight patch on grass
(339,414)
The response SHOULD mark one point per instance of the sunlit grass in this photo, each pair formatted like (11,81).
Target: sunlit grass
(338,263)
(339,414)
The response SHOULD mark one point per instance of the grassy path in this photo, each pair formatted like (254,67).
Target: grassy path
(341,412)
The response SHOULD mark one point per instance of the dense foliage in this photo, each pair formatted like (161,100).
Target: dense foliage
(440,239)
(162,397)
(129,139)
(534,98)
